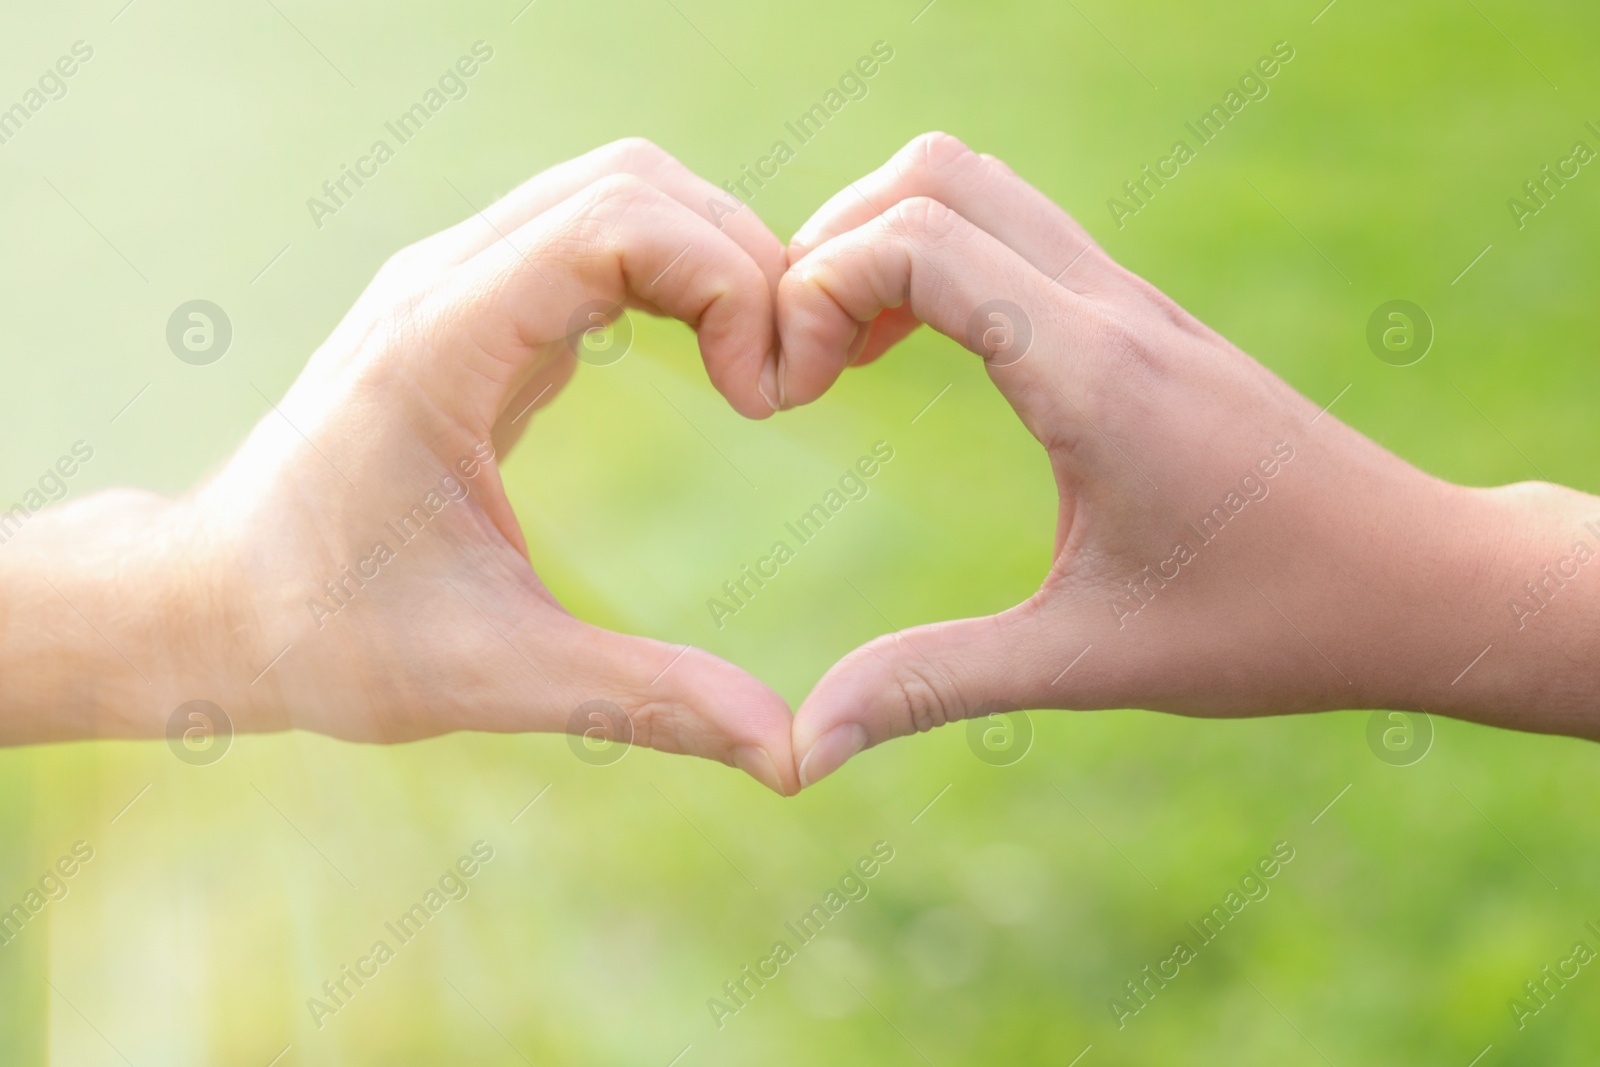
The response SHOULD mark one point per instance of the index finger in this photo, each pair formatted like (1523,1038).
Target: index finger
(633,156)
(923,256)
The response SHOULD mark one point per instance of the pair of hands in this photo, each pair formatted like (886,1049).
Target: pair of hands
(1223,547)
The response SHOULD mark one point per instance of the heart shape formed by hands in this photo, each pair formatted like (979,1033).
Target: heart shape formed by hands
(1165,441)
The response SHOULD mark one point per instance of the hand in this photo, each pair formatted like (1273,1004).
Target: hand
(1223,547)
(363,526)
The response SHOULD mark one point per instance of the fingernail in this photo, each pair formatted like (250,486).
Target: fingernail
(754,761)
(768,385)
(831,751)
(859,344)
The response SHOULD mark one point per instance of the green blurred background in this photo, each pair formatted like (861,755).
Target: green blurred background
(178,166)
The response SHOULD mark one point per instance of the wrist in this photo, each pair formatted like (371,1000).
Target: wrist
(111,616)
(198,627)
(1508,631)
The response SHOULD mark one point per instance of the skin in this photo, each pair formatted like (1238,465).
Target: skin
(1355,581)
(117,609)
(1344,578)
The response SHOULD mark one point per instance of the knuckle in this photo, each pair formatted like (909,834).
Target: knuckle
(656,724)
(937,150)
(1169,309)
(402,263)
(1127,347)
(926,700)
(925,217)
(607,205)
(398,258)
(634,152)
(997,164)
(621,186)
(949,162)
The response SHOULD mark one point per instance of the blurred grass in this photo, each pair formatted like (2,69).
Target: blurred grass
(625,898)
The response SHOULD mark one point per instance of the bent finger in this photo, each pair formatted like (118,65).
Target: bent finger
(620,241)
(982,190)
(631,155)
(950,274)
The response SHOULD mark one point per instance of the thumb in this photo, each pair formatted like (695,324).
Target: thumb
(917,679)
(678,699)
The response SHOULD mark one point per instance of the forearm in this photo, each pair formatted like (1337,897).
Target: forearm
(94,631)
(1381,586)
(1518,613)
